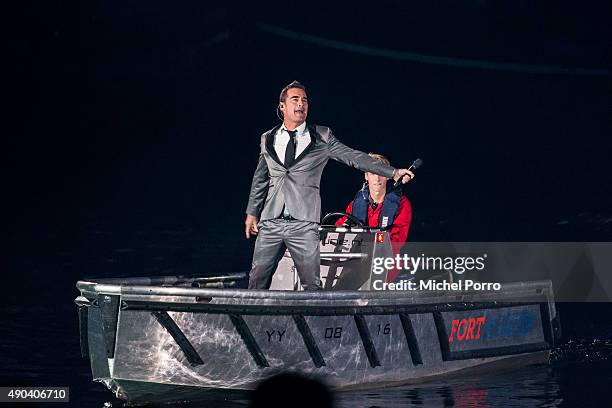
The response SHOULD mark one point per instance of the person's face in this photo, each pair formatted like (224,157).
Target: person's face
(376,183)
(295,107)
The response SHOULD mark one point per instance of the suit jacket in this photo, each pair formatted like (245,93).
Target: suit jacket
(274,186)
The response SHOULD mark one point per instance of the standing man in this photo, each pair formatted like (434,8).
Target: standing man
(284,207)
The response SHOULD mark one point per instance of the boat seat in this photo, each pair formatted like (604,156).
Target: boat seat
(347,255)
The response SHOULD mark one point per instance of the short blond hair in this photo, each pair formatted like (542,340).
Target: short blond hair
(380,158)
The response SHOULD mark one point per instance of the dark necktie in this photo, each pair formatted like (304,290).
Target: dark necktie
(290,150)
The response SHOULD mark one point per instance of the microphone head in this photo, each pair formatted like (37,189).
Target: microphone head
(417,163)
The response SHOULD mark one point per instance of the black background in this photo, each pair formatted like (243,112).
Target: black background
(132,131)
(132,117)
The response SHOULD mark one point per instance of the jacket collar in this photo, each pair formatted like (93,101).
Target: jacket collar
(312,132)
(270,144)
(272,151)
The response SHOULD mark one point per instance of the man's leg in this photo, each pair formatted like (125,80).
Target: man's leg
(269,249)
(302,240)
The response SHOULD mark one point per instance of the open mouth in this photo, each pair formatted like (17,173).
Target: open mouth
(299,111)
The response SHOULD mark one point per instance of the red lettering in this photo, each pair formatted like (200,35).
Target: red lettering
(480,321)
(470,329)
(472,398)
(460,336)
(453,329)
(464,329)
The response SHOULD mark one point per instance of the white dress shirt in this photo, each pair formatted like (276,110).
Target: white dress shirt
(282,138)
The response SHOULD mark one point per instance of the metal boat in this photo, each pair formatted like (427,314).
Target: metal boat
(162,339)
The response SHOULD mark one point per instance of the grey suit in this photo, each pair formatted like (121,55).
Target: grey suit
(296,188)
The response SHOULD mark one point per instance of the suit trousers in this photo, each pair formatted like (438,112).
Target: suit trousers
(302,240)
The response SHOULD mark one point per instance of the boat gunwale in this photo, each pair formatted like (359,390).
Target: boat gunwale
(542,288)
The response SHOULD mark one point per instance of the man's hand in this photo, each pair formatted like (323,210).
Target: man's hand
(250,225)
(405,174)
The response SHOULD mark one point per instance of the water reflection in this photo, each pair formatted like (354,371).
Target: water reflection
(536,386)
(526,387)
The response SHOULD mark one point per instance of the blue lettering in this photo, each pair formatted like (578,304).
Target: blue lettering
(508,326)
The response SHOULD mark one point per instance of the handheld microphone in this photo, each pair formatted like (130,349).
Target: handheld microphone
(415,165)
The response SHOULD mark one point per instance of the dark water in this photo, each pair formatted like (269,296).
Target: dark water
(40,348)
(40,345)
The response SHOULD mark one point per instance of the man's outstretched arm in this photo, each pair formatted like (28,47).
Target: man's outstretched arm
(364,162)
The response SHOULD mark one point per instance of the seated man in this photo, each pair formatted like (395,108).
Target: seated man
(376,207)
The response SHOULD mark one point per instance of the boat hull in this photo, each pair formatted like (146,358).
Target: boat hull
(145,342)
